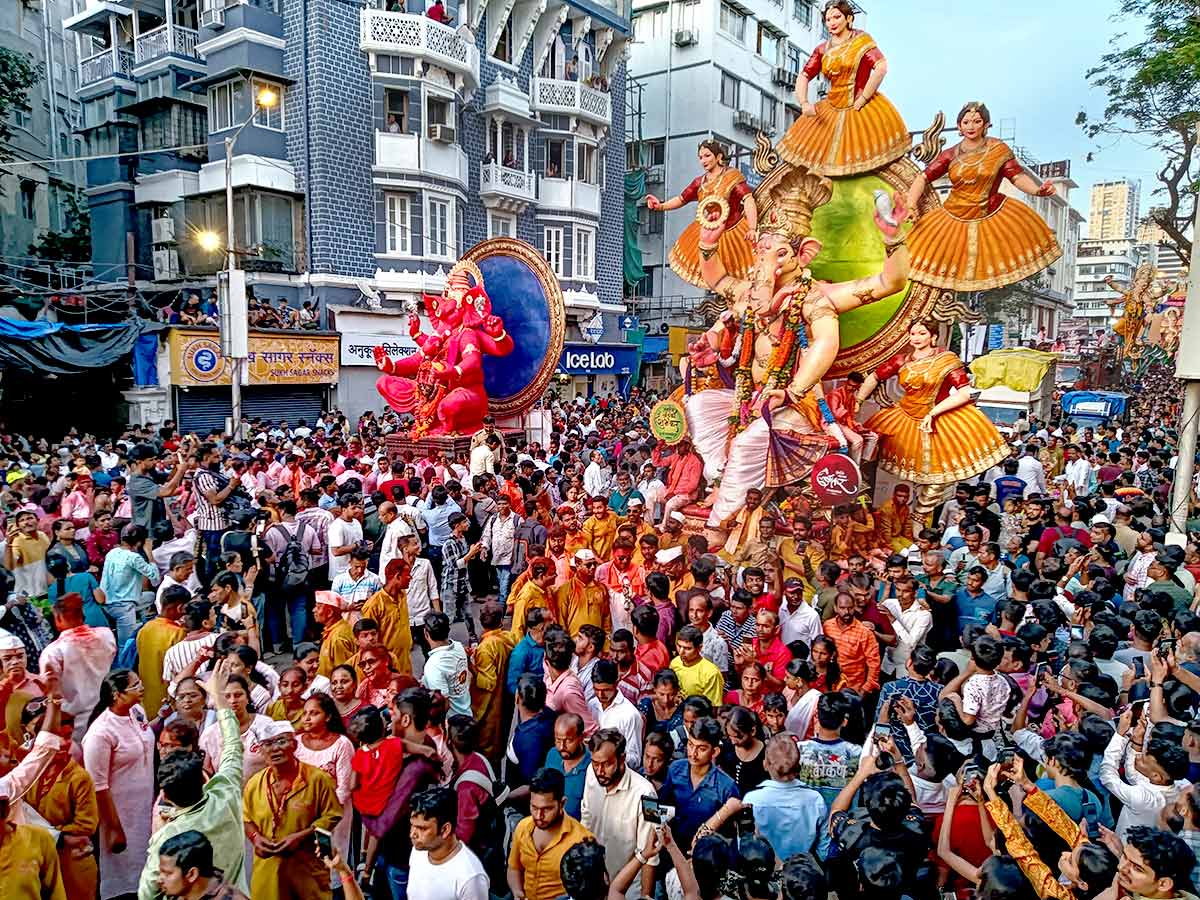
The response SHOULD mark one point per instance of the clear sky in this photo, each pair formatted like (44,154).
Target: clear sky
(1025,59)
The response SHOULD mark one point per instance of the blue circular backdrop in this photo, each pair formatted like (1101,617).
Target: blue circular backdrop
(520,300)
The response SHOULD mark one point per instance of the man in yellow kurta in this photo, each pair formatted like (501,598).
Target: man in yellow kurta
(154,639)
(635,518)
(536,591)
(743,525)
(581,601)
(282,806)
(337,640)
(389,608)
(569,519)
(487,688)
(29,866)
(893,521)
(672,534)
(800,555)
(600,529)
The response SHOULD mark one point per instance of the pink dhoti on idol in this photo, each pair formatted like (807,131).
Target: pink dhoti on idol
(775,449)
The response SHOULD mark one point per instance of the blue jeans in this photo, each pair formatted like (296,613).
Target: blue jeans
(296,606)
(124,615)
(504,577)
(397,879)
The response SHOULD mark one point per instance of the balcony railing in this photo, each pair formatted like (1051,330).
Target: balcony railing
(159,42)
(569,194)
(411,34)
(557,95)
(495,177)
(112,61)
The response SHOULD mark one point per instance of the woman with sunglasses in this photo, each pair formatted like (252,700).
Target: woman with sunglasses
(118,753)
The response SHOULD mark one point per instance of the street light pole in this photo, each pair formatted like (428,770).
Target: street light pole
(234,314)
(235,377)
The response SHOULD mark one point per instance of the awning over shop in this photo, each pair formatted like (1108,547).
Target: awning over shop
(59,349)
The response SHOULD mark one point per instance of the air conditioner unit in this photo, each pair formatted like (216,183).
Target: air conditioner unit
(783,76)
(655,175)
(442,133)
(163,230)
(746,120)
(166,265)
(212,16)
(686,37)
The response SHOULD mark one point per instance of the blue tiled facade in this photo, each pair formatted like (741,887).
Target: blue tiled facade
(369,177)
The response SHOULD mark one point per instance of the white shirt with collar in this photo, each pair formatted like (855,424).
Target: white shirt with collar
(614,816)
(625,718)
(802,625)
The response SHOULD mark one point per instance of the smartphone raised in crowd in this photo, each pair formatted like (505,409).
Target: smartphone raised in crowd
(324,843)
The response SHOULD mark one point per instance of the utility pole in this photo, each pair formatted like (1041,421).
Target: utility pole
(1187,368)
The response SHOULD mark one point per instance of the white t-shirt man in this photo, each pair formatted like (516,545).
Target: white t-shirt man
(341,533)
(461,877)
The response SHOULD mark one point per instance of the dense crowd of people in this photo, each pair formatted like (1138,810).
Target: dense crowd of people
(295,665)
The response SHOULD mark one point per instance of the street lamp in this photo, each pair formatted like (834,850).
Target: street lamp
(233,321)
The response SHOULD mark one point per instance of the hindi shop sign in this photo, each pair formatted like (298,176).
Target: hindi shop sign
(196,359)
(358,347)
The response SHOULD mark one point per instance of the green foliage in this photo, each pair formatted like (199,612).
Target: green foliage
(72,245)
(18,73)
(1152,89)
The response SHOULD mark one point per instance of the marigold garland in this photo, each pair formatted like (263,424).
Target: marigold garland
(782,364)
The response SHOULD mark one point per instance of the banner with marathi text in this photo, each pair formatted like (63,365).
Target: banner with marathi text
(295,358)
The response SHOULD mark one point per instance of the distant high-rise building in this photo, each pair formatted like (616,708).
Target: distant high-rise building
(1114,213)
(1150,232)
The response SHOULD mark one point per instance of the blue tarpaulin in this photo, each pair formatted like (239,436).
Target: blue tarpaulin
(43,346)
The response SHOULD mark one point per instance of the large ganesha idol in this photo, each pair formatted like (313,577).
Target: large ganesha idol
(441,385)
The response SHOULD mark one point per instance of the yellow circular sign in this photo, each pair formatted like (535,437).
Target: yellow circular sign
(668,422)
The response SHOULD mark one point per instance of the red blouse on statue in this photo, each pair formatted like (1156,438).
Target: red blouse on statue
(941,165)
(956,379)
(737,193)
(870,59)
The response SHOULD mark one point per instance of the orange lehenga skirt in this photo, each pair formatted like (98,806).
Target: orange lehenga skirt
(978,254)
(734,248)
(962,445)
(845,141)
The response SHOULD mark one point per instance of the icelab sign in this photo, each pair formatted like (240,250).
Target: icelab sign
(595,361)
(583,359)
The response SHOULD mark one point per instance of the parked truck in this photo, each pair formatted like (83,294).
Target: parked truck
(1014,384)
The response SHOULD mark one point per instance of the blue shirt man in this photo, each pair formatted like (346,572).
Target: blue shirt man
(790,815)
(527,657)
(568,740)
(695,786)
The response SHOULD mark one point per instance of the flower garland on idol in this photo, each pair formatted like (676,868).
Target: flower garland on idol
(783,359)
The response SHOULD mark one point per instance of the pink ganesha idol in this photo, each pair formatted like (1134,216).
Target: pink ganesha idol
(441,384)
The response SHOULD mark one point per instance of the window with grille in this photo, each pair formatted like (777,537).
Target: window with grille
(399,229)
(729,91)
(552,249)
(585,254)
(733,22)
(440,232)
